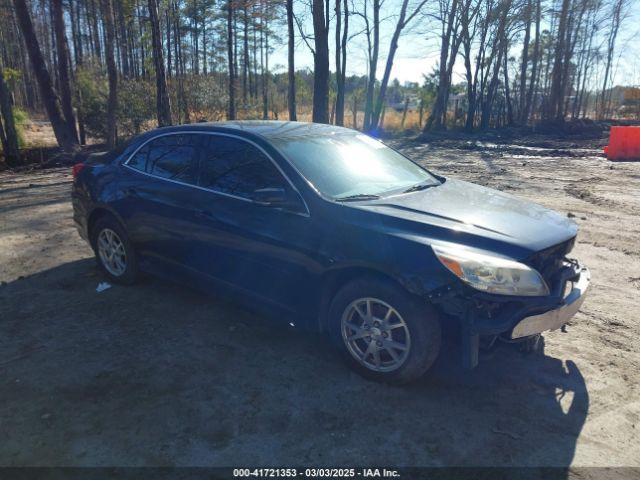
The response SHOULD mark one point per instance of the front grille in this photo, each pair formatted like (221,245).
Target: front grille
(549,261)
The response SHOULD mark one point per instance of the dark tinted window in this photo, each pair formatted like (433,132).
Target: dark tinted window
(173,157)
(236,167)
(139,160)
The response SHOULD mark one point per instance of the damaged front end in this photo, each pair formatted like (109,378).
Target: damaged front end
(483,314)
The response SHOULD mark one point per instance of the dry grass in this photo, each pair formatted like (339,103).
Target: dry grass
(40,134)
(392,121)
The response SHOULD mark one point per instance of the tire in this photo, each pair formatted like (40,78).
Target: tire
(109,227)
(421,334)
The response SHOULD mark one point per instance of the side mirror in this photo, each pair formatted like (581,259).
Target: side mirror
(268,197)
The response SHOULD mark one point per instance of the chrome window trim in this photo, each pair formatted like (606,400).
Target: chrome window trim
(221,134)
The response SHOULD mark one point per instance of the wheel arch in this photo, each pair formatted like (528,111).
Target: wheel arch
(96,214)
(333,280)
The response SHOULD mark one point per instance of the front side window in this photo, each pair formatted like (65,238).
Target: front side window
(352,164)
(235,167)
(173,157)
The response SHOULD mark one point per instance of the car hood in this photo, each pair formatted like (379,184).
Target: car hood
(459,211)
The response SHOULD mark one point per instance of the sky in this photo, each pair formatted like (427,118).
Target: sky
(418,50)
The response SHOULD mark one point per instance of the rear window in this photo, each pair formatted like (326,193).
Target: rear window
(173,157)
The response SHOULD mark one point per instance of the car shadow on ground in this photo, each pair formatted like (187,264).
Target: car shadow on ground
(157,374)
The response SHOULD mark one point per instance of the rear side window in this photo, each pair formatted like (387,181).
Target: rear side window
(237,168)
(174,157)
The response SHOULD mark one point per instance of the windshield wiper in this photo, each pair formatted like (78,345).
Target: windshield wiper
(357,196)
(419,186)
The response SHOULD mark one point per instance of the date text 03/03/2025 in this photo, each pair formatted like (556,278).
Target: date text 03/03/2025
(315,473)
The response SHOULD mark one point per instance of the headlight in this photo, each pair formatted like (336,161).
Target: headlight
(492,274)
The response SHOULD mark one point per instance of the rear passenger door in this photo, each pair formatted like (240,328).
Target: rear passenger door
(250,246)
(159,201)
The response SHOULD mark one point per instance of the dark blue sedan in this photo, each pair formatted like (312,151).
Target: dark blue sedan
(330,229)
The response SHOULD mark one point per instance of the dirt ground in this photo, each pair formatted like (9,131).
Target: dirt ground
(156,374)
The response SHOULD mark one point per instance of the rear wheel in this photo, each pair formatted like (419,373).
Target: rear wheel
(383,332)
(114,253)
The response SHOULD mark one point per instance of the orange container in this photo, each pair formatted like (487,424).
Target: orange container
(624,144)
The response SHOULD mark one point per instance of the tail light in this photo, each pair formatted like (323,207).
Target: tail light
(77,168)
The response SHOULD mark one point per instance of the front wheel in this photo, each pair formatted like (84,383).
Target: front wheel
(383,332)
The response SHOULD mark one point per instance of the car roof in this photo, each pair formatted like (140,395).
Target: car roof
(267,128)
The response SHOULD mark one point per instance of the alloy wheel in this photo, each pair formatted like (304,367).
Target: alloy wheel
(112,253)
(375,334)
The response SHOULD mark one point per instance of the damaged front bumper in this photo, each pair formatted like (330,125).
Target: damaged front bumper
(522,317)
(556,318)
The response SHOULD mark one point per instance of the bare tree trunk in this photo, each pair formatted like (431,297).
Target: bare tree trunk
(78,56)
(523,66)
(611,42)
(96,30)
(570,42)
(291,88)
(195,35)
(124,53)
(404,112)
(374,49)
(112,73)
(64,135)
(261,56)
(7,126)
(163,105)
(74,15)
(393,47)
(499,48)
(437,117)
(143,52)
(582,56)
(471,97)
(245,45)
(338,60)
(321,64)
(30,92)
(63,66)
(472,76)
(556,94)
(167,21)
(354,111)
(51,46)
(341,59)
(235,46)
(254,90)
(265,71)
(183,105)
(343,63)
(534,67)
(231,112)
(3,141)
(582,91)
(507,91)
(332,115)
(205,58)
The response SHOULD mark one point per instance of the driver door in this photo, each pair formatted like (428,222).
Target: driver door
(259,249)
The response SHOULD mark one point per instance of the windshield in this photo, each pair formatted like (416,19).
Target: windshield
(352,165)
